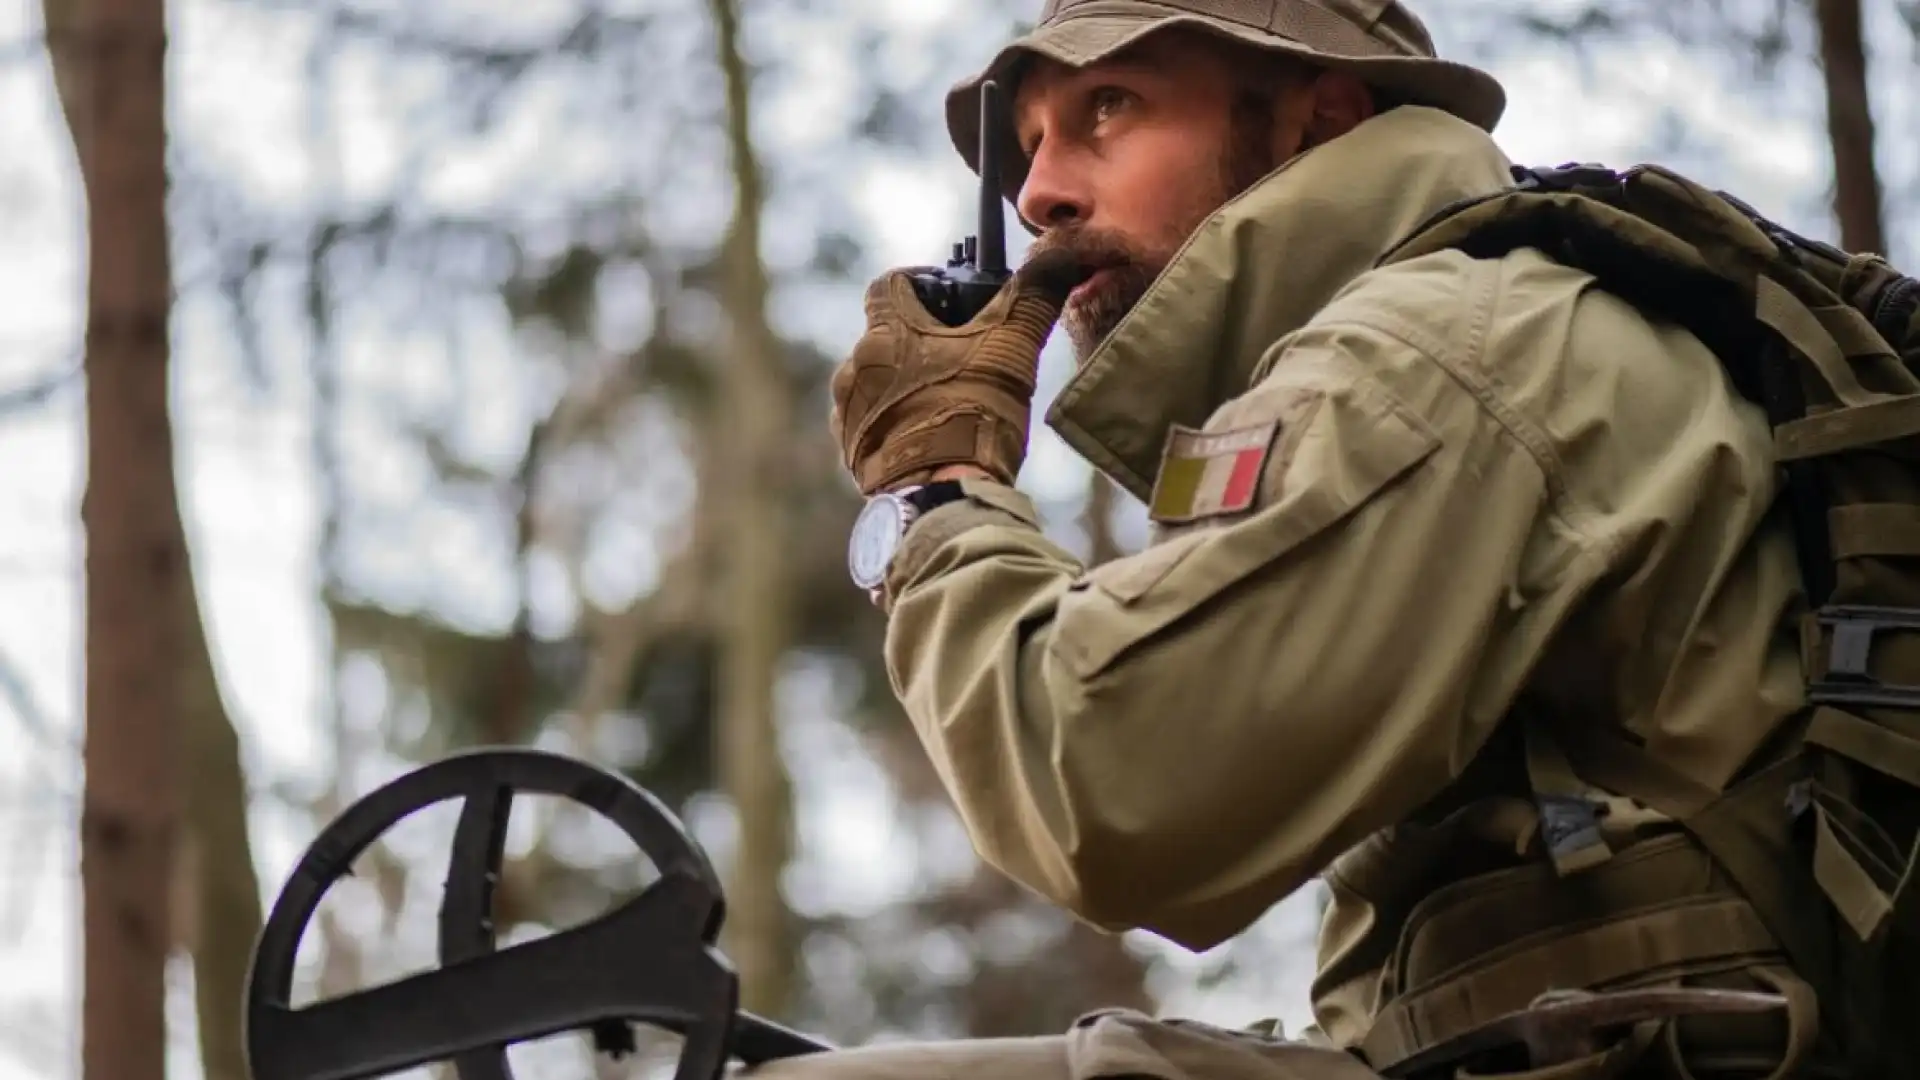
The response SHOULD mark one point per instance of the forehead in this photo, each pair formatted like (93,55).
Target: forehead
(1200,61)
(1157,54)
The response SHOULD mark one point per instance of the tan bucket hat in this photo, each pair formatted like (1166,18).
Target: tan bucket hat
(1378,40)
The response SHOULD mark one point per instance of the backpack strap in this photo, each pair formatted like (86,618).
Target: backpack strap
(1745,829)
(1826,338)
(1871,883)
(1569,811)
(1874,529)
(1601,221)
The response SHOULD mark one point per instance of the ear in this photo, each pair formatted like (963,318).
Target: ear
(1341,102)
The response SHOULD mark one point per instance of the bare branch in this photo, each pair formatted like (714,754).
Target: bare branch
(32,715)
(41,389)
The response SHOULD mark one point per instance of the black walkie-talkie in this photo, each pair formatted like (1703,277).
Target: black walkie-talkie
(978,269)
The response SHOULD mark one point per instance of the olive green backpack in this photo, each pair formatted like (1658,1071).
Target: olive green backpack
(1823,835)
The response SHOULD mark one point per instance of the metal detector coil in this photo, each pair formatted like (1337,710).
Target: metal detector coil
(651,960)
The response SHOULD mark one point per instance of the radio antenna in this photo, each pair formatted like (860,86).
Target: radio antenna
(993,219)
(978,269)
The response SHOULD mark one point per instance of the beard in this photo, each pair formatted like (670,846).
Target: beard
(1127,267)
(1121,272)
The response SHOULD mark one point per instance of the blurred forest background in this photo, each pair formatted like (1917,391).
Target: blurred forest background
(476,352)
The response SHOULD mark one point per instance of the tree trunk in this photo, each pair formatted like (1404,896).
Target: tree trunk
(1097,519)
(512,720)
(226,893)
(752,425)
(109,59)
(1856,182)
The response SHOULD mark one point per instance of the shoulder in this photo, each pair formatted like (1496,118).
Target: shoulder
(1514,331)
(1535,355)
(1426,337)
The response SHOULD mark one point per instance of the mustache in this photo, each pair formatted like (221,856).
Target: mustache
(1067,257)
(1087,249)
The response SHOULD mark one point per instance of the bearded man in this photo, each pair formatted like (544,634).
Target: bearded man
(1398,507)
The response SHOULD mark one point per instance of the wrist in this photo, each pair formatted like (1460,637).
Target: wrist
(882,526)
(960,472)
(938,474)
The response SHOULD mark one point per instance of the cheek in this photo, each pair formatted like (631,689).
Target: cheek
(1164,183)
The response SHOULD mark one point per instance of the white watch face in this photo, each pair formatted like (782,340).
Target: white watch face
(876,534)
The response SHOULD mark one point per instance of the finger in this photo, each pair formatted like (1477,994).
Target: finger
(911,311)
(892,297)
(1052,274)
(843,379)
(1037,302)
(879,300)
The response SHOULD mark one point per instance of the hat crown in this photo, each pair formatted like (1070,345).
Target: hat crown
(1336,27)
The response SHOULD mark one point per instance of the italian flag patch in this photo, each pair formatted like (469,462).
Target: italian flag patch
(1205,475)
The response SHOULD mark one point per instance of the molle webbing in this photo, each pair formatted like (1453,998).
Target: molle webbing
(1668,919)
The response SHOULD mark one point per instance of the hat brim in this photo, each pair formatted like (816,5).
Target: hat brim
(1078,42)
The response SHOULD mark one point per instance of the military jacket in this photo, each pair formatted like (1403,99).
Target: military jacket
(1391,506)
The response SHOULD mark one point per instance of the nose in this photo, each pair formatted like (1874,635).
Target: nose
(1055,192)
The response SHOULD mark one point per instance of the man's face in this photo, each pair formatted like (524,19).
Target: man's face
(1130,156)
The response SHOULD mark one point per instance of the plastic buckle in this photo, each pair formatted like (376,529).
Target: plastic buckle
(1570,829)
(1846,680)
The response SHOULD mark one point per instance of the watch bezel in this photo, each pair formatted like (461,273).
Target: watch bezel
(891,505)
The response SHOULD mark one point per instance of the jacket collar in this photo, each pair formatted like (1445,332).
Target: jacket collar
(1256,271)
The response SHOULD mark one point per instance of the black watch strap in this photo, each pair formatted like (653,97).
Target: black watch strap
(938,493)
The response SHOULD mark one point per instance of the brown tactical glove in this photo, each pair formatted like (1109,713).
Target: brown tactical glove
(917,394)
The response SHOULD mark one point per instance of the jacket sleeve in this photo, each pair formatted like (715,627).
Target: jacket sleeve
(1177,739)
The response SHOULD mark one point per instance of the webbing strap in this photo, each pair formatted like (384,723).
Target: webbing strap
(1845,879)
(1633,947)
(1868,529)
(1904,918)
(1850,330)
(1831,432)
(1870,884)
(1876,746)
(1615,1062)
(1746,831)
(1801,328)
(1610,762)
(1569,817)
(1803,1026)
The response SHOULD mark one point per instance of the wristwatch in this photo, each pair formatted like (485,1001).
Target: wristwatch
(883,523)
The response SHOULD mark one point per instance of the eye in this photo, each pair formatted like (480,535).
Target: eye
(1106,100)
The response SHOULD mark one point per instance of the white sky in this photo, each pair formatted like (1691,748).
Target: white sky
(251,506)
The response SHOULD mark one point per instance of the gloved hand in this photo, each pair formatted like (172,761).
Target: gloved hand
(917,394)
